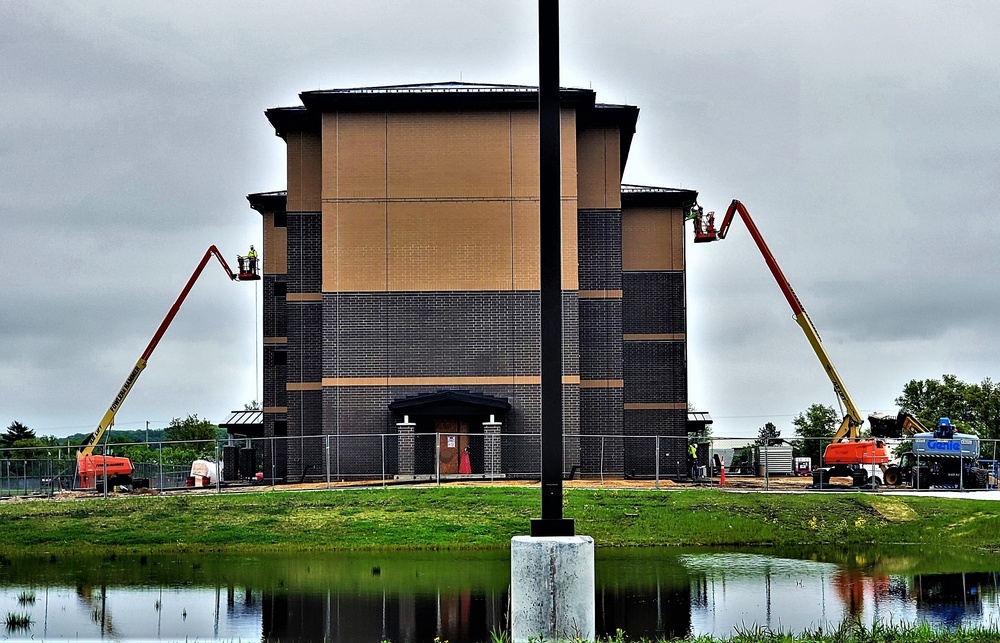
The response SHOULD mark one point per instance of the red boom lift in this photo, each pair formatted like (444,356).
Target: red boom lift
(848,448)
(117,470)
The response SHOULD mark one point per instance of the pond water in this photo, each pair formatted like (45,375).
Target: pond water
(462,597)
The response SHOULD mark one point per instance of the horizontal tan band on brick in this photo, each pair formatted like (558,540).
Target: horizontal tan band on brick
(275,340)
(276,409)
(441,199)
(655,406)
(602,384)
(600,294)
(653,337)
(304,386)
(529,380)
(304,296)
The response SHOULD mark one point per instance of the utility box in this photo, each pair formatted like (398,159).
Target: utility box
(774,460)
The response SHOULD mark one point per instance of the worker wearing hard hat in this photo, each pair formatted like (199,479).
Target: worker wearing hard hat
(252,260)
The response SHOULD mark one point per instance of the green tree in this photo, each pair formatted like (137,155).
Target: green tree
(972,408)
(192,434)
(768,435)
(815,428)
(16,431)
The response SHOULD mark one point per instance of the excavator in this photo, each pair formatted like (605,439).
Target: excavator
(849,451)
(116,471)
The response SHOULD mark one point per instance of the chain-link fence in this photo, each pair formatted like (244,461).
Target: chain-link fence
(380,459)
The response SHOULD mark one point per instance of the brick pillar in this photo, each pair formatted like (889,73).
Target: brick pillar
(404,430)
(491,448)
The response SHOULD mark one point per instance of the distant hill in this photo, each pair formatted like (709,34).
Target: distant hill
(135,436)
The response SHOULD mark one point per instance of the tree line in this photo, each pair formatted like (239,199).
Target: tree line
(972,408)
(188,439)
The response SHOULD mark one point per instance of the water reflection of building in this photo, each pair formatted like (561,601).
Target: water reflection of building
(950,599)
(655,612)
(402,618)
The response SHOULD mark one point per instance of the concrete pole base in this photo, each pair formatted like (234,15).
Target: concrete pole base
(552,588)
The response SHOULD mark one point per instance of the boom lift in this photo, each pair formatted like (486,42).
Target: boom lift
(848,448)
(117,470)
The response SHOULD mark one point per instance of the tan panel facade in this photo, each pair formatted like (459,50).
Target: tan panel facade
(448,155)
(276,247)
(570,244)
(304,171)
(524,154)
(358,142)
(439,201)
(354,251)
(652,239)
(567,151)
(449,246)
(599,168)
(526,247)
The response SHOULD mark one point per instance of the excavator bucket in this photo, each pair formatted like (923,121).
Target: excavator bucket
(884,425)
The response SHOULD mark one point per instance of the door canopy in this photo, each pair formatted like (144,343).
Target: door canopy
(450,403)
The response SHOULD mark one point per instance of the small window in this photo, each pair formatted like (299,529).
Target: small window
(279,220)
(280,288)
(280,428)
(280,358)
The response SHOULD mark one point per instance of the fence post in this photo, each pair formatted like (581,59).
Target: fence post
(326,466)
(383,459)
(602,459)
(218,469)
(656,467)
(767,473)
(159,462)
(274,464)
(437,460)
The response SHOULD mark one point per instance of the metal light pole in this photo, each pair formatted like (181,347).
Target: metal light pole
(552,570)
(552,522)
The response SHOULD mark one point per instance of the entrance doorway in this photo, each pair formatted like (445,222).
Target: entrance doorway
(453,440)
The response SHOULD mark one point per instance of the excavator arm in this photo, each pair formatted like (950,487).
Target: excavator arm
(245,274)
(705,231)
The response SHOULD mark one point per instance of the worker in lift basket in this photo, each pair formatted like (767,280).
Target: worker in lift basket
(252,260)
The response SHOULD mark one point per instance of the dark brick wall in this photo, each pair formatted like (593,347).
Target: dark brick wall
(640,453)
(305,243)
(655,372)
(600,339)
(600,249)
(305,342)
(601,415)
(275,378)
(653,302)
(442,334)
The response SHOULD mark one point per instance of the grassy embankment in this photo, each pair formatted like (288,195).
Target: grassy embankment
(487,517)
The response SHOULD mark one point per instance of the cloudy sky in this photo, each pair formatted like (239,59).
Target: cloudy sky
(864,138)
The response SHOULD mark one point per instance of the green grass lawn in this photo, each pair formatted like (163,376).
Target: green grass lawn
(487,517)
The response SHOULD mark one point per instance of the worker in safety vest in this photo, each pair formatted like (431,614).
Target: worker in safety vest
(693,460)
(252,260)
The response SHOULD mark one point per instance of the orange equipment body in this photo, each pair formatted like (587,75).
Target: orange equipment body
(91,467)
(847,448)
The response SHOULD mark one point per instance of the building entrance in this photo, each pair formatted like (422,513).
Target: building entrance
(453,440)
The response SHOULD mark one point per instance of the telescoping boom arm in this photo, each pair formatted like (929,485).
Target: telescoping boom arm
(851,426)
(87,447)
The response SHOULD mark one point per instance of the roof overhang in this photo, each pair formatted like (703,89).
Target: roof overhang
(268,201)
(248,423)
(449,403)
(646,196)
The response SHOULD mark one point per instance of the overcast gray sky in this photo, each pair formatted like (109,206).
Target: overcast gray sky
(864,138)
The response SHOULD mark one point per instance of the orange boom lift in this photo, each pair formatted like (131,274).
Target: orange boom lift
(117,470)
(848,448)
